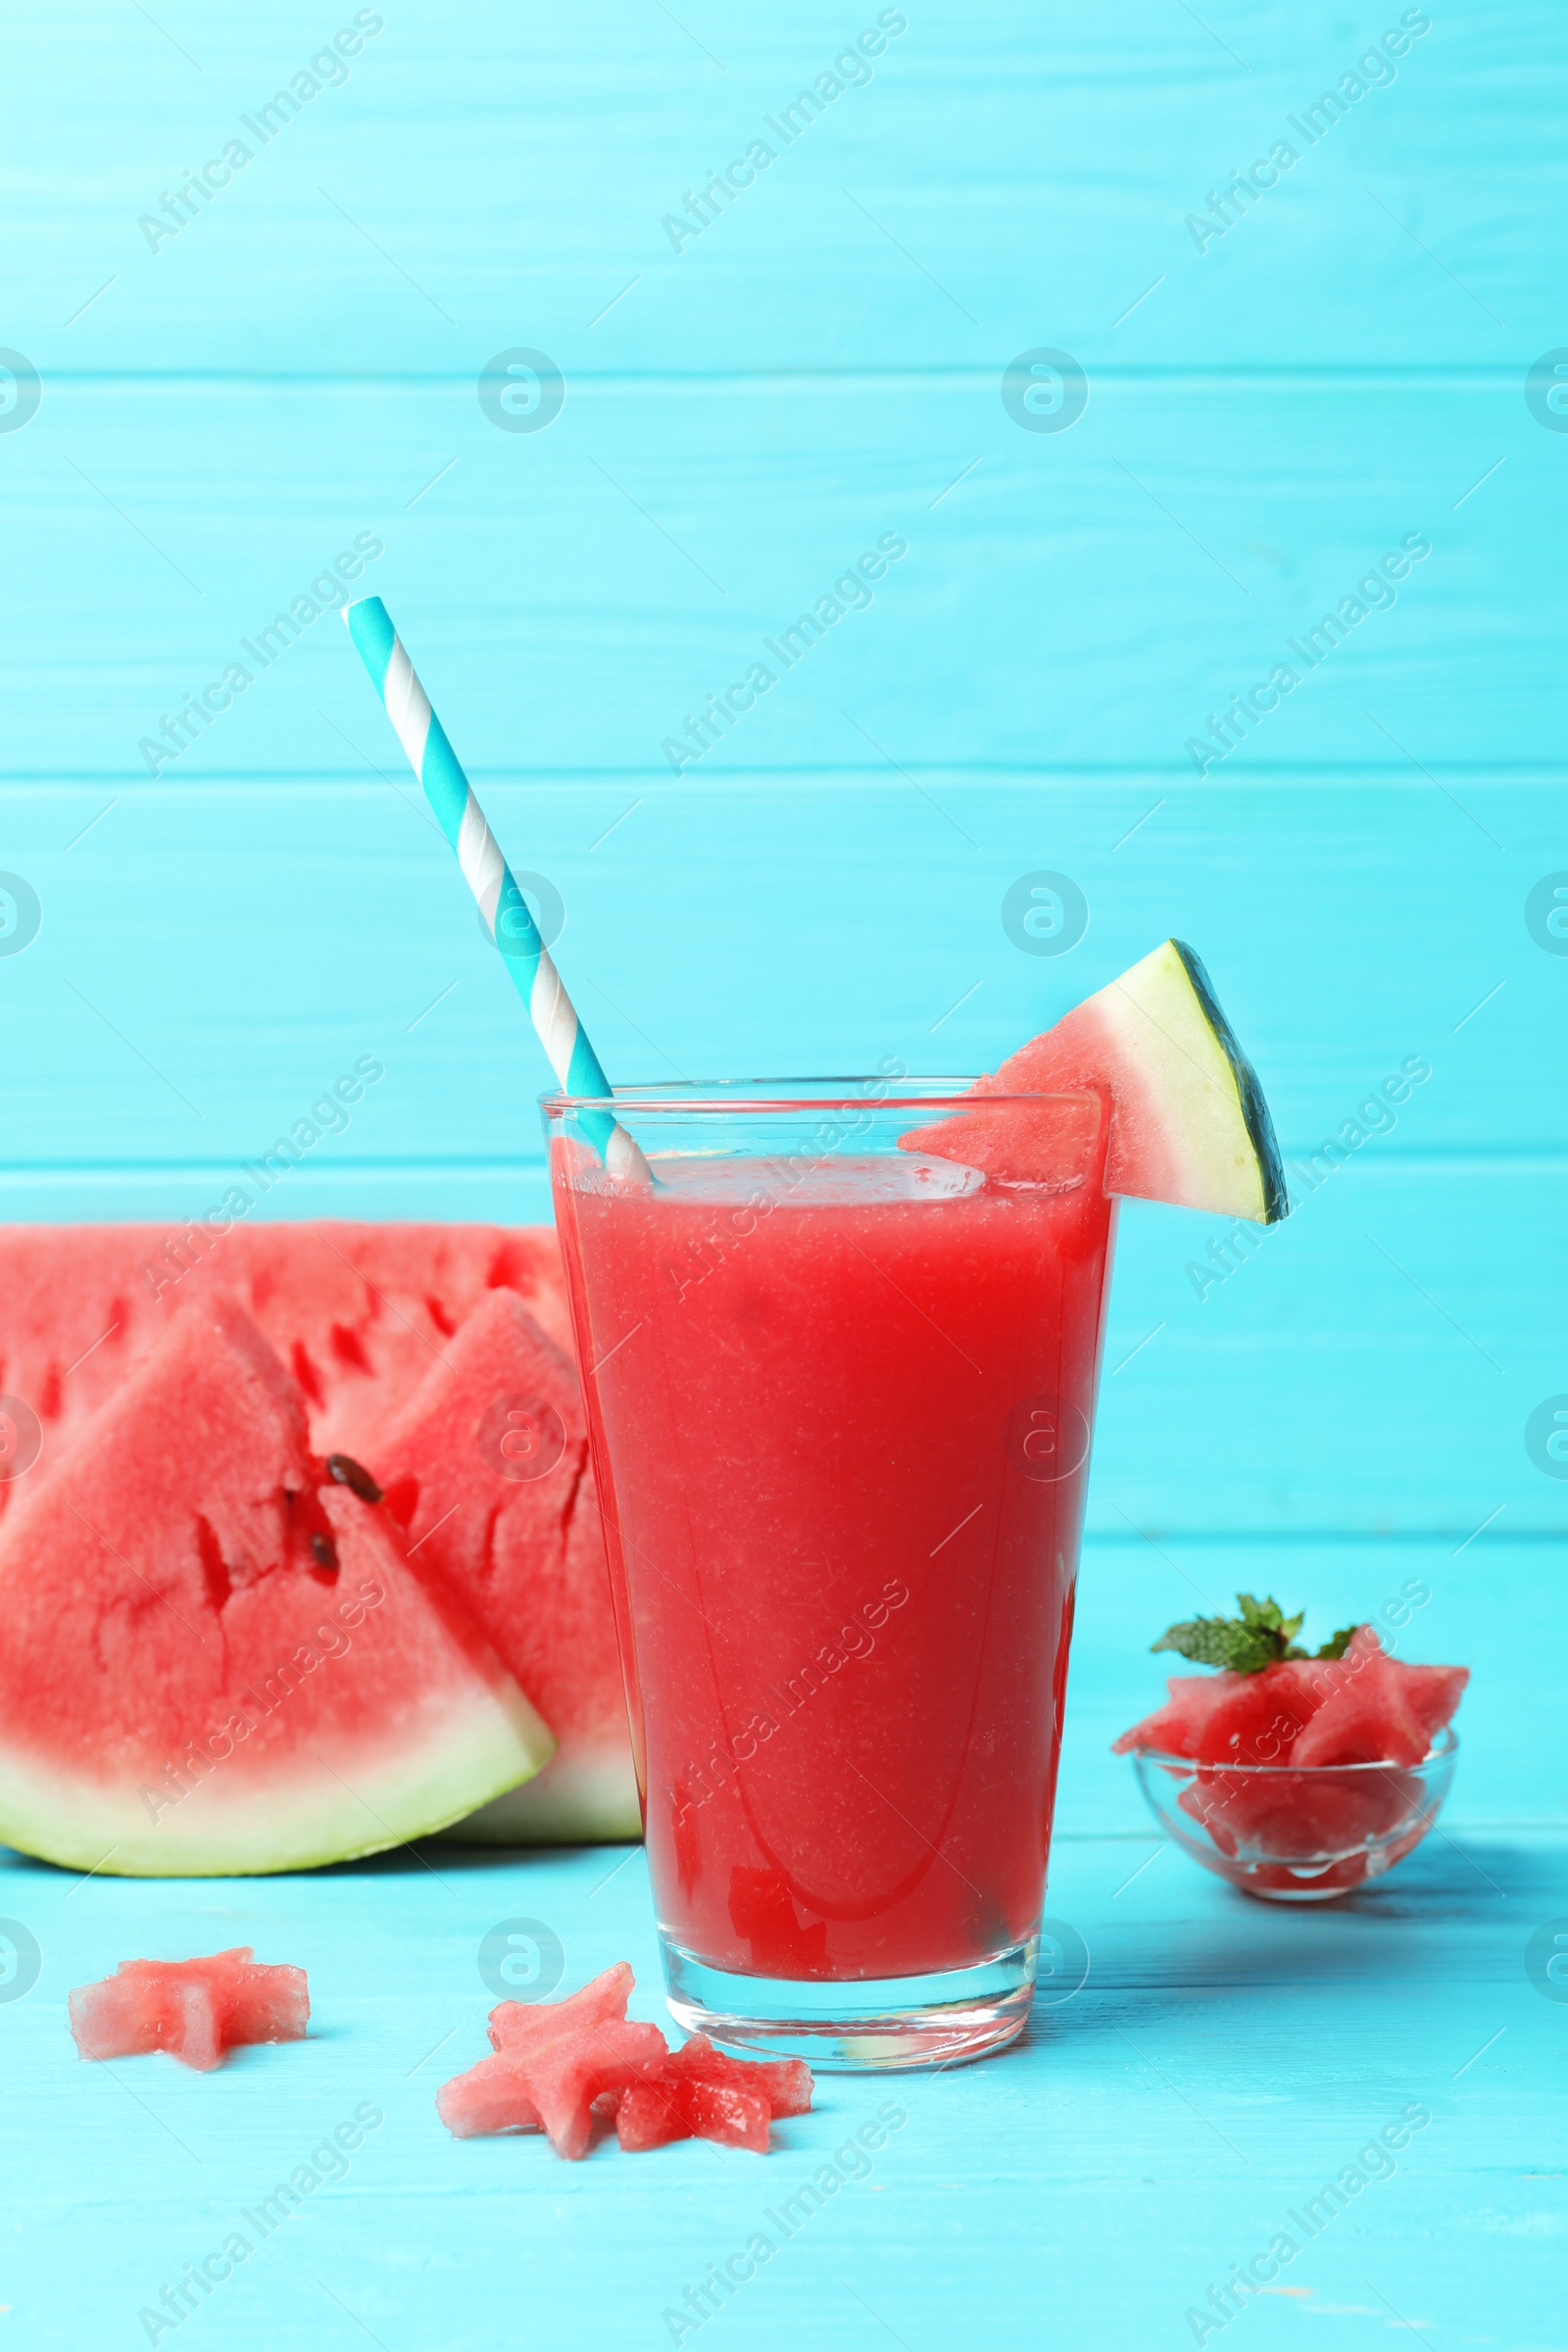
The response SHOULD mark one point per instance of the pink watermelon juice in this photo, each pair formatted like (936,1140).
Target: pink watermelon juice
(841,1400)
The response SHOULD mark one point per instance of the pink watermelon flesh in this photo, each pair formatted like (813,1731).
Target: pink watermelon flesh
(1042,1143)
(553,2089)
(652,2114)
(1188,1120)
(1365,1708)
(561,2065)
(704,2094)
(786,2083)
(359,1313)
(1173,1730)
(1297,1817)
(521,2026)
(1380,1708)
(214,1661)
(1432,1692)
(1259,1719)
(552,2060)
(1366,1718)
(526,1552)
(194,2009)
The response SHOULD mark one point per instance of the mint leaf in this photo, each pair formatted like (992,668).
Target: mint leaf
(1220,1641)
(1260,1636)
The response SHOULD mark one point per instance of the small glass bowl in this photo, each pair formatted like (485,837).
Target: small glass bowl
(1296,1835)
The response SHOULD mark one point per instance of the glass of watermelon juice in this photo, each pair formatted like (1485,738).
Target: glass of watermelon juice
(840,1388)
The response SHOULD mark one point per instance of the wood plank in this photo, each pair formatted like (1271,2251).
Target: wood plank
(1087,600)
(248,940)
(447,201)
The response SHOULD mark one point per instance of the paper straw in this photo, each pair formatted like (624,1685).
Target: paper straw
(450,793)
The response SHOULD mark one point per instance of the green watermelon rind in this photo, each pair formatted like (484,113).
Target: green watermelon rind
(577,1800)
(1189,1123)
(478,1754)
(1249,1093)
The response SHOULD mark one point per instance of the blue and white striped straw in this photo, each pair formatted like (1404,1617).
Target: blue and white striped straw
(450,793)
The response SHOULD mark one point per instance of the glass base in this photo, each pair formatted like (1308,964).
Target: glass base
(860,2024)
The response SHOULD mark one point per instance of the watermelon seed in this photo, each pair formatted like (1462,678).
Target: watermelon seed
(214,1568)
(354,1475)
(325,1550)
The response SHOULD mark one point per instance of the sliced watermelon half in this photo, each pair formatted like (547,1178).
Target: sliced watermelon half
(1189,1122)
(359,1313)
(215,1657)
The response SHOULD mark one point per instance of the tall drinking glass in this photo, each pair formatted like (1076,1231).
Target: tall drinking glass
(841,1388)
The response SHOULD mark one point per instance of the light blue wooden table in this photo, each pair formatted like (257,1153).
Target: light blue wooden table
(212,394)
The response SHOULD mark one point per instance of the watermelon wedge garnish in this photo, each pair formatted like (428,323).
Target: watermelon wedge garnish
(519,1535)
(1189,1122)
(193,2009)
(216,1657)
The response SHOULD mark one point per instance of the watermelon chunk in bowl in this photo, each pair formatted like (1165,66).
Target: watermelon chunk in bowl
(1304,1779)
(1297,1837)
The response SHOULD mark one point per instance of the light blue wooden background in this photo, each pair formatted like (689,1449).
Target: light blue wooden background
(1346,366)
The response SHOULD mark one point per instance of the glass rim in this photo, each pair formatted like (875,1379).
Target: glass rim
(712,1095)
(1445,1744)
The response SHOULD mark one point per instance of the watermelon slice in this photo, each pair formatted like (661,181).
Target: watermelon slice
(1189,1122)
(519,1534)
(212,1660)
(551,2061)
(194,2009)
(359,1313)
